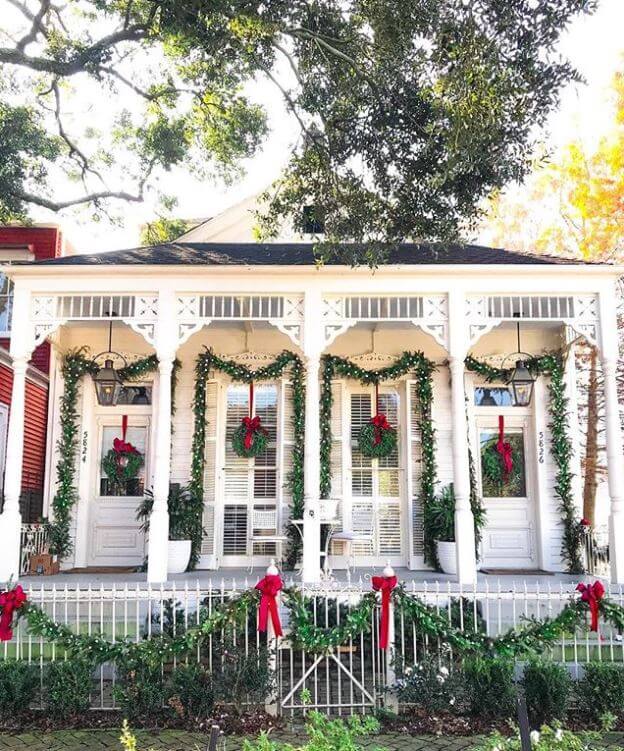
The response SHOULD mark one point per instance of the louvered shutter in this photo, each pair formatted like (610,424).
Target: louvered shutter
(414,469)
(210,474)
(389,527)
(236,481)
(285,459)
(362,510)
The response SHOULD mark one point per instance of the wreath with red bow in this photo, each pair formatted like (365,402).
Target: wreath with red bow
(123,461)
(251,437)
(497,459)
(377,438)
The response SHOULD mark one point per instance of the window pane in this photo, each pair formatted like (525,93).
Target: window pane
(135,487)
(493,396)
(494,482)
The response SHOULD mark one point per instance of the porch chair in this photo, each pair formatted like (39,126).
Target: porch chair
(263,529)
(363,525)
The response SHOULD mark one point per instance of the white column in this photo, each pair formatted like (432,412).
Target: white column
(166,340)
(615,454)
(311,455)
(464,521)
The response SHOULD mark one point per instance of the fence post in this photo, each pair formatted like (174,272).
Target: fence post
(523,723)
(391,701)
(271,705)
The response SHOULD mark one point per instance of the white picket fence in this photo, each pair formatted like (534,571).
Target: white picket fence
(353,678)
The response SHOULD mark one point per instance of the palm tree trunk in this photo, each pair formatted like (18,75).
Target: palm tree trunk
(591,442)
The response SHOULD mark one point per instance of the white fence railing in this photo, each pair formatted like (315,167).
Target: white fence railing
(351,678)
(33,540)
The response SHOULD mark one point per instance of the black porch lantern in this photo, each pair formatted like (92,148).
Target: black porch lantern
(521,379)
(107,381)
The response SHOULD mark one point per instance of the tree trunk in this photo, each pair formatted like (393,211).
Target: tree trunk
(591,442)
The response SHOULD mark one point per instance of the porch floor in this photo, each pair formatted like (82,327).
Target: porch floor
(241,577)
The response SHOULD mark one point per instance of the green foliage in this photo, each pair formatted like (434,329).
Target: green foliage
(183,517)
(118,474)
(386,446)
(548,738)
(601,689)
(192,691)
(547,687)
(141,690)
(441,515)
(67,688)
(489,686)
(19,682)
(258,446)
(429,685)
(163,230)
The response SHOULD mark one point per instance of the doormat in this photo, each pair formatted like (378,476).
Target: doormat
(515,572)
(103,570)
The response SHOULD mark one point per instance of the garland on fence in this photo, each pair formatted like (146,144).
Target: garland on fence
(560,446)
(76,365)
(422,369)
(531,638)
(208,361)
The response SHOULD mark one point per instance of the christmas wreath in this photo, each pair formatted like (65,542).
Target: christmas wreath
(123,461)
(497,460)
(251,437)
(377,438)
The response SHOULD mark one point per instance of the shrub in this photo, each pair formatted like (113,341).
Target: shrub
(428,685)
(240,678)
(547,688)
(601,690)
(67,688)
(547,738)
(489,686)
(19,682)
(192,691)
(141,690)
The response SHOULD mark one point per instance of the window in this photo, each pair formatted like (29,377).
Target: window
(135,487)
(135,394)
(6,304)
(493,396)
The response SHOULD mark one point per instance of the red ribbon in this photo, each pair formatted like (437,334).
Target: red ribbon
(380,421)
(504,448)
(269,586)
(10,602)
(592,594)
(252,426)
(385,585)
(121,447)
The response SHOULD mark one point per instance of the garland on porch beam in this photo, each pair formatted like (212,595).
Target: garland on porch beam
(75,366)
(207,361)
(423,370)
(530,638)
(551,365)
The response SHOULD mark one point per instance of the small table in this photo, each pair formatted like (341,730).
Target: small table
(331,524)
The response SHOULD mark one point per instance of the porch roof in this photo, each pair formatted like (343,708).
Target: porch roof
(302,254)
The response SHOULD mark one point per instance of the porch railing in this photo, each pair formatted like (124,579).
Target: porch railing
(596,551)
(353,678)
(33,540)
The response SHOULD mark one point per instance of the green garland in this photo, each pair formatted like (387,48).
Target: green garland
(530,638)
(422,369)
(207,361)
(560,447)
(75,366)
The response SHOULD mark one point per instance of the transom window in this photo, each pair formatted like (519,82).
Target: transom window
(493,396)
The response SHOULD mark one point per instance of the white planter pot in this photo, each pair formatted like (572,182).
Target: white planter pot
(178,556)
(447,556)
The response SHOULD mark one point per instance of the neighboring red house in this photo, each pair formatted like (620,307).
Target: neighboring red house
(18,244)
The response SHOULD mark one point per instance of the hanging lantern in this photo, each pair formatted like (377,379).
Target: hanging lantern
(107,381)
(521,382)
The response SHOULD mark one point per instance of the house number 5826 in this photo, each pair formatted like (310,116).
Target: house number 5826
(85,441)
(540,447)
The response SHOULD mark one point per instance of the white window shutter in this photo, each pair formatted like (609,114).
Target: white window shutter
(415,469)
(210,469)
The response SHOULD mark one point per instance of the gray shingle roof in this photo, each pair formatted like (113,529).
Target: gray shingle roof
(296,254)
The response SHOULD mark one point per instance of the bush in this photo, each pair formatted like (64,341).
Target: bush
(428,685)
(19,682)
(240,678)
(141,690)
(489,686)
(601,690)
(68,688)
(192,691)
(547,738)
(547,688)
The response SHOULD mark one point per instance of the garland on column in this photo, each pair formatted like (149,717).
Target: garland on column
(552,365)
(207,361)
(422,369)
(75,366)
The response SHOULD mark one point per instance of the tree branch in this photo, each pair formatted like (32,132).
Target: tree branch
(87,198)
(36,19)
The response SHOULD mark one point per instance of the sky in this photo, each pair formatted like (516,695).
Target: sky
(594,44)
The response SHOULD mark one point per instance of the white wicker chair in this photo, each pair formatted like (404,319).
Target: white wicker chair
(263,529)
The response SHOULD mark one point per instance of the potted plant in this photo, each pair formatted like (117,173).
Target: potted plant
(181,520)
(442,525)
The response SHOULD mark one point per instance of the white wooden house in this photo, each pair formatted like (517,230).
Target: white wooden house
(248,302)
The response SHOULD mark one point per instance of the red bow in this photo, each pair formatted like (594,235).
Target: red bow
(269,586)
(10,602)
(380,421)
(122,447)
(504,447)
(385,585)
(592,594)
(252,426)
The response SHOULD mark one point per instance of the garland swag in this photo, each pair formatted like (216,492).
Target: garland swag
(76,365)
(552,365)
(529,639)
(208,361)
(422,369)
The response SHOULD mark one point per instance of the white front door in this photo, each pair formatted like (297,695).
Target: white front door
(115,538)
(509,533)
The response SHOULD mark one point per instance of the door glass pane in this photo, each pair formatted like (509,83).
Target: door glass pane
(135,487)
(361,466)
(495,482)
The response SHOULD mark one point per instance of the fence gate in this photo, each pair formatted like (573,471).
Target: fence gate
(349,679)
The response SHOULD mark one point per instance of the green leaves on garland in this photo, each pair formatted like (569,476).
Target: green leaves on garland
(208,361)
(552,365)
(422,369)
(75,366)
